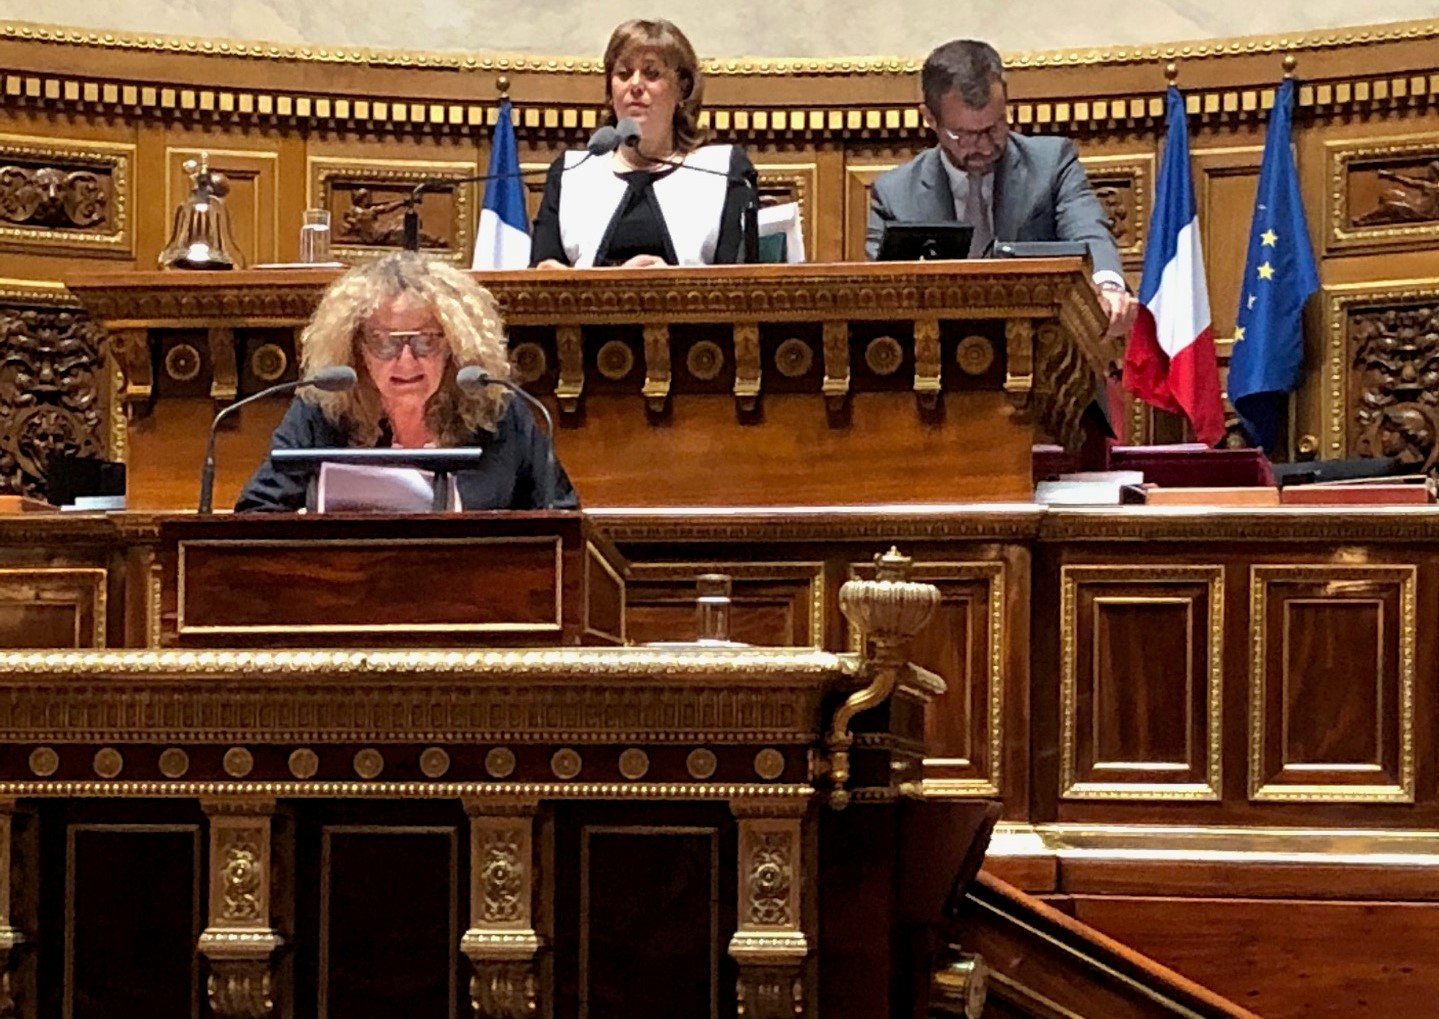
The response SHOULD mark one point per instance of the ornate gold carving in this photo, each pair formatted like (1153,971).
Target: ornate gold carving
(753,694)
(434,762)
(769,993)
(224,379)
(1122,185)
(1019,357)
(883,355)
(51,393)
(701,763)
(974,355)
(44,761)
(566,763)
(65,196)
(614,360)
(369,763)
(769,944)
(500,762)
(268,362)
(657,366)
(793,358)
(240,988)
(769,764)
(836,363)
(241,878)
(182,362)
(1396,366)
(504,990)
(747,370)
(174,762)
(238,762)
(528,362)
(504,874)
(369,218)
(705,360)
(634,763)
(1202,777)
(304,763)
(108,762)
(889,610)
(570,350)
(770,878)
(927,366)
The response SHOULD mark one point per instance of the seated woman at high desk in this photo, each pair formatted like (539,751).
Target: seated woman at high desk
(407,326)
(629,208)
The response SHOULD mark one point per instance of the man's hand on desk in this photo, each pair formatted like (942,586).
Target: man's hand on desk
(645,262)
(1121,307)
(550,263)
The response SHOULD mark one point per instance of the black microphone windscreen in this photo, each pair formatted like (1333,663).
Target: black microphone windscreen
(471,378)
(629,132)
(334,379)
(606,139)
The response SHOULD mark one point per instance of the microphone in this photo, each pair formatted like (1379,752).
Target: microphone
(627,129)
(335,379)
(472,378)
(604,140)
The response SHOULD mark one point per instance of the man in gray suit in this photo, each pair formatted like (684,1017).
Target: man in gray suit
(1007,186)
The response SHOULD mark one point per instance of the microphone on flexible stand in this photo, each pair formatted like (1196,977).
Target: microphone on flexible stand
(605,140)
(628,131)
(335,379)
(472,379)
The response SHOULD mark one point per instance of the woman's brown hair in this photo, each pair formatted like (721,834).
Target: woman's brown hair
(670,44)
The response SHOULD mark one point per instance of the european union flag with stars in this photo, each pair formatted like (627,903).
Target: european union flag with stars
(1279,275)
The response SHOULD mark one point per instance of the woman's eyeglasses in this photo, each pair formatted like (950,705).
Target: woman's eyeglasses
(388,346)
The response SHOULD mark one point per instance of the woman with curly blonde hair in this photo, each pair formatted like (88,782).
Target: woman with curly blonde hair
(407,326)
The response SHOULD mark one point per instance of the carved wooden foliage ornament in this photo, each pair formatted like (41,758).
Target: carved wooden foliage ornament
(1396,362)
(51,367)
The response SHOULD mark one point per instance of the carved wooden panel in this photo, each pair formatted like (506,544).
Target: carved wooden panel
(1141,682)
(1226,180)
(771,603)
(1332,683)
(1381,387)
(53,381)
(1383,194)
(52,607)
(366,199)
(965,643)
(253,203)
(1124,185)
(857,180)
(66,197)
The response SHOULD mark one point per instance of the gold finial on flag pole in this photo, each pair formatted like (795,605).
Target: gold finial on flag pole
(502,84)
(1290,63)
(1171,72)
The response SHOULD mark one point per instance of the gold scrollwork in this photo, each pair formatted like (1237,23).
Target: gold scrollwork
(241,877)
(504,880)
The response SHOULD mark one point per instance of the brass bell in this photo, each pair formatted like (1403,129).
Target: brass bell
(200,237)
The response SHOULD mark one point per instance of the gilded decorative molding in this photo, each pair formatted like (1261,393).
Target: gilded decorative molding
(238,941)
(656,390)
(501,942)
(569,348)
(836,363)
(1337,579)
(928,365)
(747,368)
(491,791)
(1404,213)
(1203,777)
(377,190)
(769,942)
(1017,523)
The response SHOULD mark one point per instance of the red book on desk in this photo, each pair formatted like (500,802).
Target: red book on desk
(1194,466)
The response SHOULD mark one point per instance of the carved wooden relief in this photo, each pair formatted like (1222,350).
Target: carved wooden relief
(52,374)
(65,197)
(1123,185)
(367,201)
(1383,195)
(1395,372)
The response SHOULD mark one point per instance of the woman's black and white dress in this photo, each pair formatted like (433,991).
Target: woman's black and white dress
(595,213)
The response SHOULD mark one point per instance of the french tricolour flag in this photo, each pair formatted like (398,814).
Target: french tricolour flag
(503,238)
(1170,362)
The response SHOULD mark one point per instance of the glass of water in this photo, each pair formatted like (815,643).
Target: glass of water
(315,236)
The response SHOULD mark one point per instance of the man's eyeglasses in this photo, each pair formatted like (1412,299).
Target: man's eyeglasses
(388,346)
(994,134)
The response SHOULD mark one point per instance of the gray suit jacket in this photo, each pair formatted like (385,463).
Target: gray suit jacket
(1041,193)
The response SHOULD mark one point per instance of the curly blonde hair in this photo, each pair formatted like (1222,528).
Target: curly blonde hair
(472,325)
